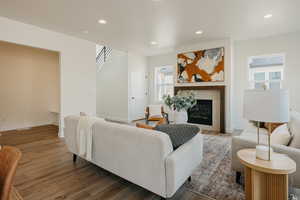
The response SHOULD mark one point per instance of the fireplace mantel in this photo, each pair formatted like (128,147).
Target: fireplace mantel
(221,89)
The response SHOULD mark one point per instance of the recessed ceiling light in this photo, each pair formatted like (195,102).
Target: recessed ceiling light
(199,32)
(102,21)
(267,16)
(153,43)
(85,31)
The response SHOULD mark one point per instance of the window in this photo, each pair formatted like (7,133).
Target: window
(164,82)
(266,71)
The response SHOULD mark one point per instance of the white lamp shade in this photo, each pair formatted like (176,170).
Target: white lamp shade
(266,105)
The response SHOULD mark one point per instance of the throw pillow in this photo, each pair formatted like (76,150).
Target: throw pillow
(178,133)
(294,126)
(281,135)
(273,126)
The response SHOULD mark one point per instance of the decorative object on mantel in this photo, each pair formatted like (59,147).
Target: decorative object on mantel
(270,106)
(201,66)
(180,105)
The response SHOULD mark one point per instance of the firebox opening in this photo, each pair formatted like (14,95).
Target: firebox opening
(201,113)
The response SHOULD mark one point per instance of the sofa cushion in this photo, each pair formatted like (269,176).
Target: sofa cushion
(294,127)
(178,133)
(252,136)
(281,135)
(117,121)
(251,129)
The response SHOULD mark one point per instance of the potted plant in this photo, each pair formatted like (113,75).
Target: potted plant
(180,104)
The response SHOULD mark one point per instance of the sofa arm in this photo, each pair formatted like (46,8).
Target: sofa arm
(294,154)
(181,163)
(238,143)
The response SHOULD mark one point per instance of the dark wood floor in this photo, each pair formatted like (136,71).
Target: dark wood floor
(46,172)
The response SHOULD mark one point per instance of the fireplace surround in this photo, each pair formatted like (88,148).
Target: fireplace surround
(221,90)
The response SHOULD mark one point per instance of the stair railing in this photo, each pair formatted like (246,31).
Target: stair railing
(103,56)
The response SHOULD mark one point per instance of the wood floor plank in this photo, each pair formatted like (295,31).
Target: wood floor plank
(47,172)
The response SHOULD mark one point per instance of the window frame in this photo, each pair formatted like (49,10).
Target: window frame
(159,85)
(267,70)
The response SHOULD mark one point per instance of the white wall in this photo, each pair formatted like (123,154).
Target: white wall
(112,87)
(77,63)
(287,44)
(118,80)
(171,59)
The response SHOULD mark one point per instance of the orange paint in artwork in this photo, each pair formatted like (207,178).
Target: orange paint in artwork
(192,68)
(220,67)
(184,57)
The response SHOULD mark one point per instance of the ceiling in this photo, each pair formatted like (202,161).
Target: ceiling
(133,24)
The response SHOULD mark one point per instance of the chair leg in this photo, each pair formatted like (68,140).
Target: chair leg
(238,177)
(74,158)
(146,118)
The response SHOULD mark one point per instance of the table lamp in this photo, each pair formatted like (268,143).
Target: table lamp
(269,106)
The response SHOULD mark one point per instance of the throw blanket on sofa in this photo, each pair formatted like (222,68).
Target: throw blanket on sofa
(84,136)
(178,133)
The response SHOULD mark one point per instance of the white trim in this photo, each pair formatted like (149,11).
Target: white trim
(267,55)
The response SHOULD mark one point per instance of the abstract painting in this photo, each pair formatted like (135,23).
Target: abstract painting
(201,66)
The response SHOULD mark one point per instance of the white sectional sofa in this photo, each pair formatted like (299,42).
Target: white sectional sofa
(141,156)
(248,139)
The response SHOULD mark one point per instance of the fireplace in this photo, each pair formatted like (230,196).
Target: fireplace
(201,113)
(217,96)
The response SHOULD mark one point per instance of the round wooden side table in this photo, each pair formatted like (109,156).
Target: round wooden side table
(266,180)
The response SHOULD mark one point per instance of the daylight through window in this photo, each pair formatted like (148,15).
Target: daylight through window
(164,82)
(266,71)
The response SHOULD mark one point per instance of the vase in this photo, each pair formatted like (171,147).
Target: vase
(180,117)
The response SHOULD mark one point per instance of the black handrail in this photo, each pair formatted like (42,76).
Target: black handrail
(103,55)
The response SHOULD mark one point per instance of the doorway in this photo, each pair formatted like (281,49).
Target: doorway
(29,88)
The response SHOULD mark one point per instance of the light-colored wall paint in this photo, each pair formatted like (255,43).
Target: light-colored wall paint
(112,87)
(171,59)
(77,63)
(287,44)
(117,80)
(29,86)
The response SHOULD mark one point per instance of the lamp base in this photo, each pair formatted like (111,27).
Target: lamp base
(262,152)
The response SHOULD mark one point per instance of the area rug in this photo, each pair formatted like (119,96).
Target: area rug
(214,176)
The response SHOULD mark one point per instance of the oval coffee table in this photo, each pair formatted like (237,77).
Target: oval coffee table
(266,180)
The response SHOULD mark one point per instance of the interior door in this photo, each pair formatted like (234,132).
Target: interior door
(138,95)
